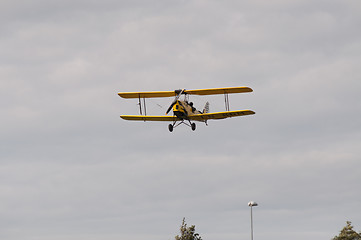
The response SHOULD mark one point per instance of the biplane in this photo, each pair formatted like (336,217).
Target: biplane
(183,110)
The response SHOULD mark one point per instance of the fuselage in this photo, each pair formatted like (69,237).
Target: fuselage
(183,109)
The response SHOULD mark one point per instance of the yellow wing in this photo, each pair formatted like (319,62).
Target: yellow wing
(158,94)
(196,117)
(148,118)
(220,115)
(213,91)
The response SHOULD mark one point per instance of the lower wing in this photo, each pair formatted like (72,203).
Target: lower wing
(149,118)
(220,115)
(196,117)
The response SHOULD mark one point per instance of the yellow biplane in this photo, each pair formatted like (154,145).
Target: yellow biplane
(183,110)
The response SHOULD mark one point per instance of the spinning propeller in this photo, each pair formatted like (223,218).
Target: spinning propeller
(175,100)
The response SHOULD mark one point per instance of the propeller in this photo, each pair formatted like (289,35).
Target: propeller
(175,100)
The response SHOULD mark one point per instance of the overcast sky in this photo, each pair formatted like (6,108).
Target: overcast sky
(70,168)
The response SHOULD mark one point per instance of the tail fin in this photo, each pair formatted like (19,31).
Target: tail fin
(206,108)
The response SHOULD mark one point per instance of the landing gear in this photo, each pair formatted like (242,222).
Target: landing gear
(175,124)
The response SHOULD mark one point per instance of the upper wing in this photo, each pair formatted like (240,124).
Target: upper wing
(213,91)
(147,94)
(159,94)
(148,118)
(220,115)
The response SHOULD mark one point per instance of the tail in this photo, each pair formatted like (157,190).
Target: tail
(206,108)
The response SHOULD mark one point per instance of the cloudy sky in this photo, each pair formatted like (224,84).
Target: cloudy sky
(70,168)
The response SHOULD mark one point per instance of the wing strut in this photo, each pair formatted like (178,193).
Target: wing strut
(140,106)
(226,101)
(145,107)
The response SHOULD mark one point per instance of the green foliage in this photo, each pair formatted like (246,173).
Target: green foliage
(187,233)
(347,233)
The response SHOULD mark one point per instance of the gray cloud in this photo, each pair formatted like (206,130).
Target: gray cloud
(70,168)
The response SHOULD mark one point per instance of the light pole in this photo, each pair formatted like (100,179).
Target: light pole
(252,204)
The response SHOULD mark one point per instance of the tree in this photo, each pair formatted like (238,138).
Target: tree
(347,233)
(187,233)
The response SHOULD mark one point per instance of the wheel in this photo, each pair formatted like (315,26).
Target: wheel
(170,127)
(193,125)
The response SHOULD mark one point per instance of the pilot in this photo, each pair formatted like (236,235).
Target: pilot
(193,108)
